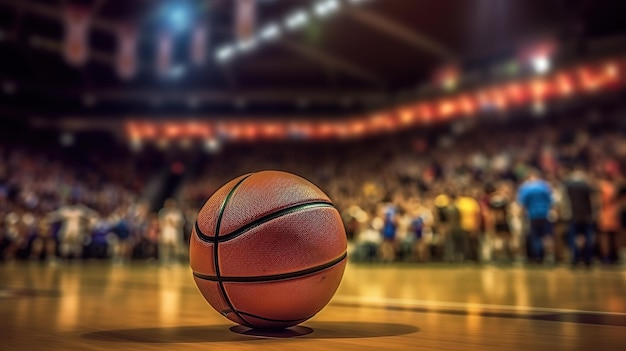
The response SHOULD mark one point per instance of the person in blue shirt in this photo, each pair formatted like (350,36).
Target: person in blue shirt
(535,196)
(390,224)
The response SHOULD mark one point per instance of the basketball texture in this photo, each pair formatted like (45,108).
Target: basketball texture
(268,250)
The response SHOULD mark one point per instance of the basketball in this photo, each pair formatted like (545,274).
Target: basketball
(268,250)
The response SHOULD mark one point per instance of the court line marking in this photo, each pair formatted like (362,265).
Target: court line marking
(459,305)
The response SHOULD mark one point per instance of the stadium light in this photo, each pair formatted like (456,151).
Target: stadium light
(326,7)
(611,70)
(177,16)
(541,64)
(247,45)
(225,53)
(212,145)
(297,20)
(270,32)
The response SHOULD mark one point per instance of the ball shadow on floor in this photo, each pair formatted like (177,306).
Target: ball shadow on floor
(221,333)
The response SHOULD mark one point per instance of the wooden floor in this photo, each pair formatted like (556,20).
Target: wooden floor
(96,306)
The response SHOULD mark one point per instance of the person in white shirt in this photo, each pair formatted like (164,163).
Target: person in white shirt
(171,224)
(75,219)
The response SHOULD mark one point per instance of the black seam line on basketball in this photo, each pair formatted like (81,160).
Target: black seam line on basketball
(274,320)
(267,218)
(273,277)
(216,251)
(200,234)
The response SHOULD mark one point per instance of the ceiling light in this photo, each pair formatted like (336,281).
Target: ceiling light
(247,45)
(270,32)
(541,64)
(297,20)
(225,53)
(326,8)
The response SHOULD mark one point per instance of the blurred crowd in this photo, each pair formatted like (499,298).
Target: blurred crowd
(511,192)
(54,206)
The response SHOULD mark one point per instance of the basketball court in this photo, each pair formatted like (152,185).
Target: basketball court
(436,307)
(170,168)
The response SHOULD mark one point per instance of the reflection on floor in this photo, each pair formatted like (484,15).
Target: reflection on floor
(95,306)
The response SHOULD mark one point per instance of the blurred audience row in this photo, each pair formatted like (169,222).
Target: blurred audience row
(523,191)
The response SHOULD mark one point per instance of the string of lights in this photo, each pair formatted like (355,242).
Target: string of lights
(294,21)
(534,92)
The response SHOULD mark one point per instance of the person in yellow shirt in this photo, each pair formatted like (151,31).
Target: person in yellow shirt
(469,212)
(449,227)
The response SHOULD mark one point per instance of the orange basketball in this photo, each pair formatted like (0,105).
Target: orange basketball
(268,250)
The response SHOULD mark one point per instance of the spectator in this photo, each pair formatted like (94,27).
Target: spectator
(422,221)
(391,216)
(498,219)
(455,242)
(43,242)
(535,196)
(121,228)
(469,223)
(580,197)
(75,219)
(608,220)
(171,224)
(369,240)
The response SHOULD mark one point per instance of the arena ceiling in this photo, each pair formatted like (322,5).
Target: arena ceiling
(366,55)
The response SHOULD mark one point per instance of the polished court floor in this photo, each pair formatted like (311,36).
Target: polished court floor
(97,306)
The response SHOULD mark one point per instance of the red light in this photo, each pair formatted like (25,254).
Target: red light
(565,84)
(357,128)
(612,71)
(234,131)
(340,130)
(446,108)
(172,130)
(381,122)
(149,131)
(467,105)
(303,130)
(483,99)
(589,80)
(324,130)
(204,131)
(499,99)
(539,89)
(250,131)
(307,129)
(426,113)
(515,92)
(270,130)
(133,131)
(406,116)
